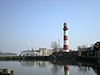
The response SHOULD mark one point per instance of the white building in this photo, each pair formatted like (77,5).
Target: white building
(28,53)
(40,52)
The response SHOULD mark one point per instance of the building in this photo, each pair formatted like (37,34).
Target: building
(43,51)
(40,52)
(28,53)
(50,52)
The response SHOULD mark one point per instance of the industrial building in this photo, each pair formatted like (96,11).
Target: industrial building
(28,53)
(40,52)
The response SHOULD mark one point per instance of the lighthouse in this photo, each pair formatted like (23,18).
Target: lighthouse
(66,45)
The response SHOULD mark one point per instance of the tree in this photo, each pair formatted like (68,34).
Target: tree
(54,46)
(79,48)
(82,48)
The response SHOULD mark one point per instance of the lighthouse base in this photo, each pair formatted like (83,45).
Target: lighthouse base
(65,50)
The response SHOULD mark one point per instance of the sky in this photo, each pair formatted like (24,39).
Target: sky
(41,21)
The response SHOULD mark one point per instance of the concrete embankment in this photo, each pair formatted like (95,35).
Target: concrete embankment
(24,58)
(87,58)
(10,58)
(50,58)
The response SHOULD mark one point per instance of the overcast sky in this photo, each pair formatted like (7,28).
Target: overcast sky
(22,21)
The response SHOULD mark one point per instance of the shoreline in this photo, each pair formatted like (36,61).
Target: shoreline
(50,58)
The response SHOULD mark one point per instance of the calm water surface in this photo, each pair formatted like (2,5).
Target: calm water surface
(47,68)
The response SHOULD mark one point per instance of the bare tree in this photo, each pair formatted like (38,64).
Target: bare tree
(54,46)
(82,48)
(79,48)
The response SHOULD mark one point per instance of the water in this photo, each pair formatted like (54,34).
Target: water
(48,68)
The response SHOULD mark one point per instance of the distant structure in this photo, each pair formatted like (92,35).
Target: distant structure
(66,45)
(28,53)
(7,54)
(40,52)
(44,52)
(32,46)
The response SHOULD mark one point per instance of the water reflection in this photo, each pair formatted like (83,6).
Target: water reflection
(96,69)
(34,63)
(66,69)
(83,69)
(69,68)
(27,63)
(56,69)
(51,67)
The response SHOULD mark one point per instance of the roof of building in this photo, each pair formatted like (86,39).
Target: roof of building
(29,51)
(32,51)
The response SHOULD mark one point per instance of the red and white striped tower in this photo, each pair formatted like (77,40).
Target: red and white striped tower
(66,45)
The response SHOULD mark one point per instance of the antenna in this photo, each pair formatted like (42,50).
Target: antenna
(32,45)
(59,42)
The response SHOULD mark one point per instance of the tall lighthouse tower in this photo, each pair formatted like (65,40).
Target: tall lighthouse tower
(66,45)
